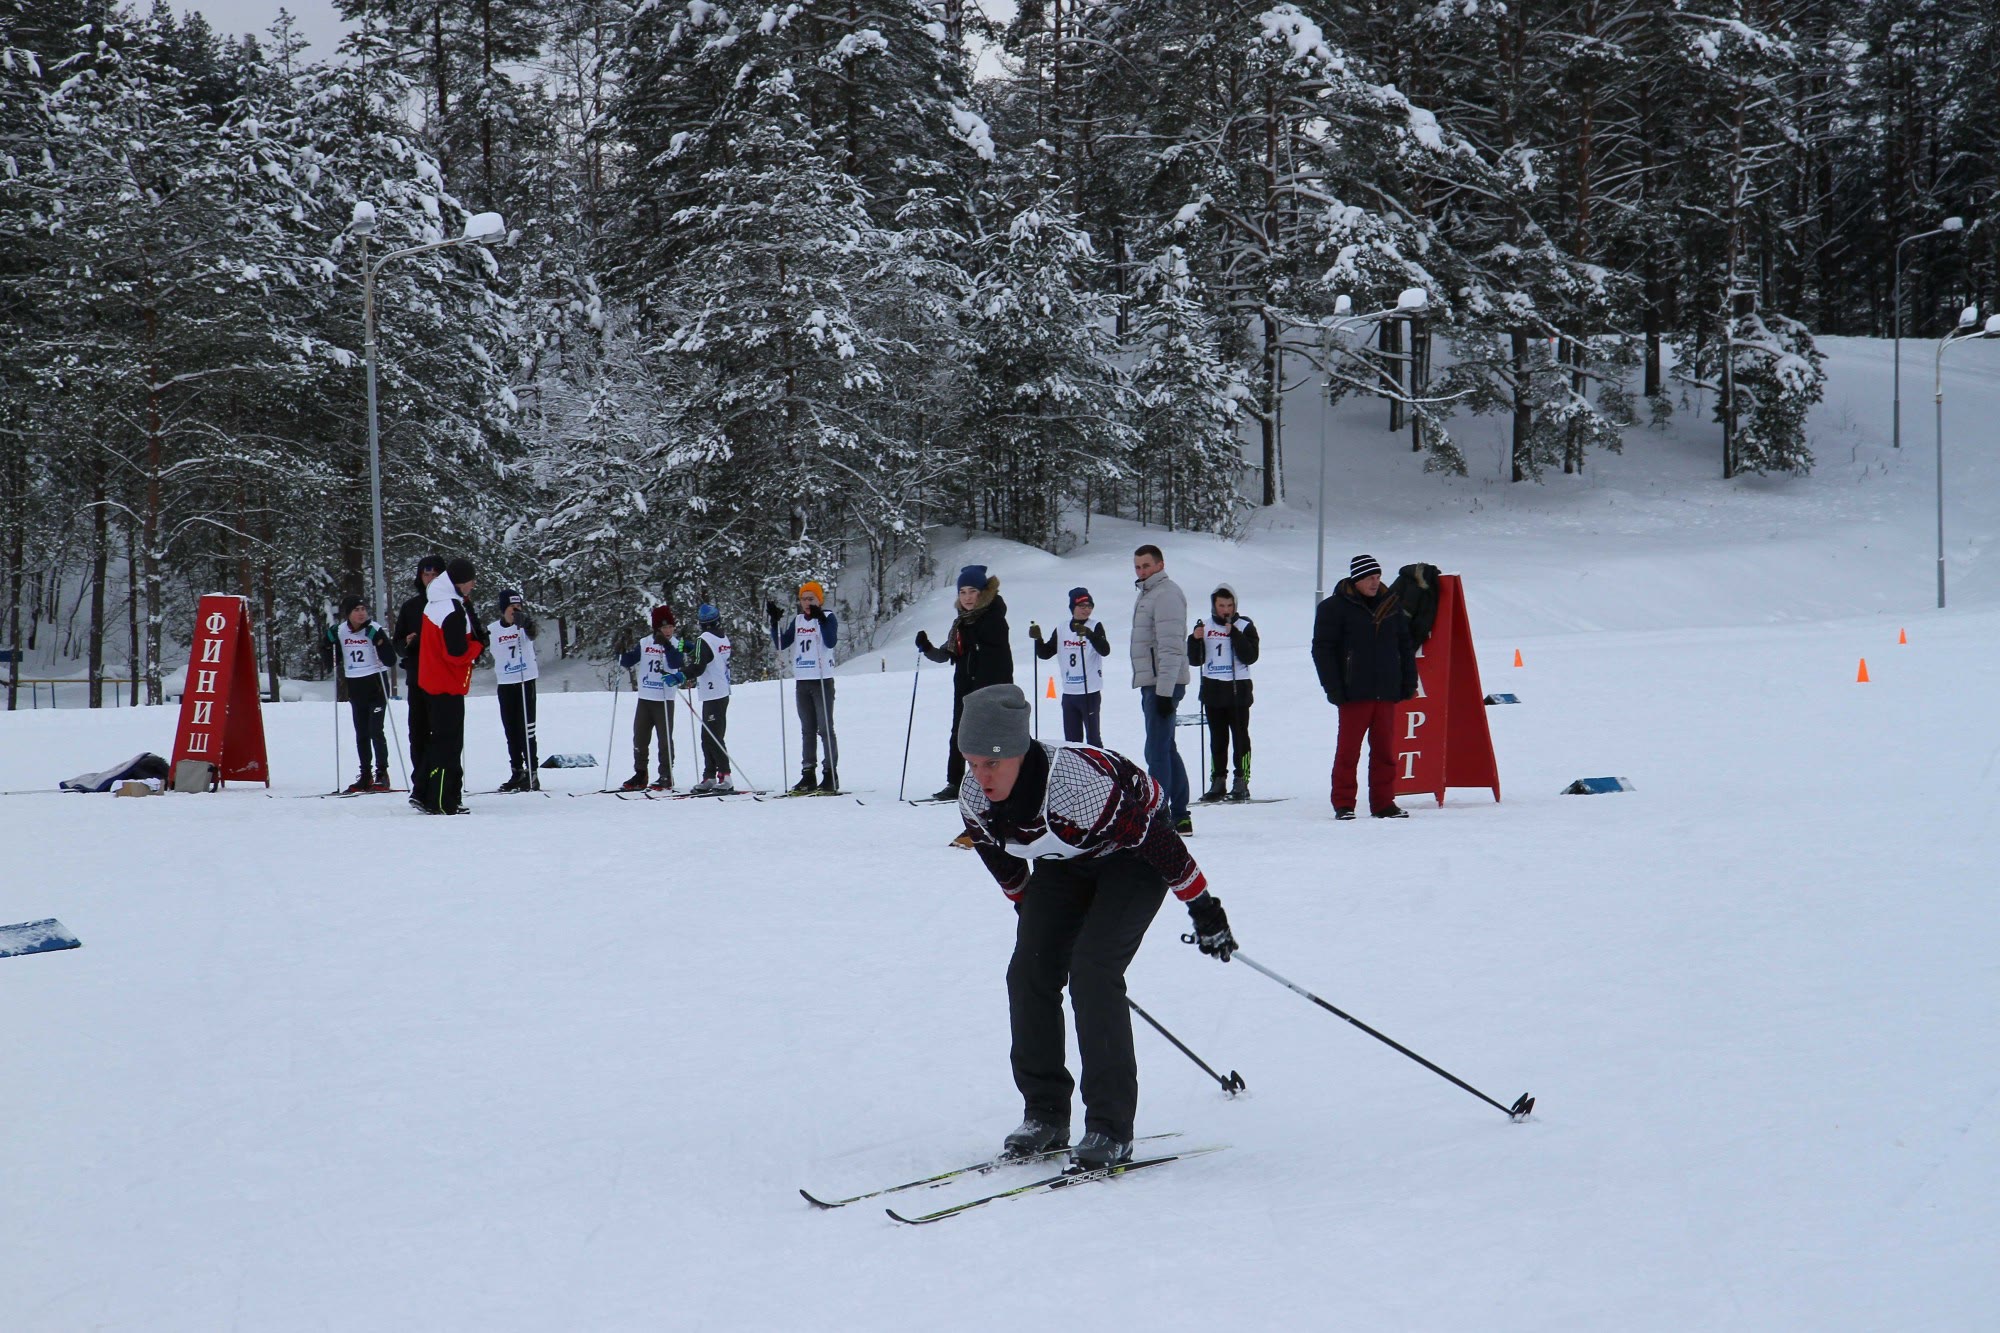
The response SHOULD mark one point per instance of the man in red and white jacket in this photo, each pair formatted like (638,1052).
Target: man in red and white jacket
(450,642)
(1082,842)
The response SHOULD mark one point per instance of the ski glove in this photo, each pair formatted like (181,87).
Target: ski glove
(1211,927)
(774,611)
(1163,705)
(815,612)
(923,641)
(1034,631)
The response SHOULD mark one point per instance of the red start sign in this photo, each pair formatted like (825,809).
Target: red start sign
(222,718)
(1441,735)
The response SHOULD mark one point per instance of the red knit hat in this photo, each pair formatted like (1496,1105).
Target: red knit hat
(662,614)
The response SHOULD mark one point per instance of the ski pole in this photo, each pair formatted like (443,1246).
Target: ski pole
(336,728)
(1037,660)
(1231,1085)
(909,729)
(826,740)
(784,745)
(1518,1111)
(612,734)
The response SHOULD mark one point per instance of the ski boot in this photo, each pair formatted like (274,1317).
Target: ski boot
(1184,826)
(948,792)
(381,782)
(829,785)
(359,785)
(1241,790)
(664,782)
(1098,1151)
(806,785)
(1033,1138)
(514,783)
(637,782)
(723,786)
(1390,811)
(702,788)
(1214,794)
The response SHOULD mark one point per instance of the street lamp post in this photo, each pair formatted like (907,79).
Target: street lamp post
(1968,329)
(478,227)
(1946,227)
(1408,305)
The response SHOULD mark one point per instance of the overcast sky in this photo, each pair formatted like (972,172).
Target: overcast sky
(317,19)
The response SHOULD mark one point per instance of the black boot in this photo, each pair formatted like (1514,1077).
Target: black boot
(948,792)
(1241,791)
(1213,794)
(1098,1151)
(637,782)
(829,785)
(807,783)
(359,785)
(1032,1138)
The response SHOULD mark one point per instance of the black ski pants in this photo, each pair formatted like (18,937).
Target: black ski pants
(1228,710)
(420,727)
(1080,718)
(815,701)
(1081,922)
(517,719)
(368,701)
(653,717)
(954,767)
(714,731)
(444,779)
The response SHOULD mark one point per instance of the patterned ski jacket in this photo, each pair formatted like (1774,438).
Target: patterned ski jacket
(1073,801)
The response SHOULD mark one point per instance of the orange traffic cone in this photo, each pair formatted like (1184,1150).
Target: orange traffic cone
(1902,636)
(1861,676)
(1052,687)
(1517,657)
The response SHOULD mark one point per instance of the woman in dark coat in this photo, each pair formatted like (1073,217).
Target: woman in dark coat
(977,647)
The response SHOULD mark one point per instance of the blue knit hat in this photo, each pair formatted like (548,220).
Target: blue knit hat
(973,576)
(1080,595)
(707,614)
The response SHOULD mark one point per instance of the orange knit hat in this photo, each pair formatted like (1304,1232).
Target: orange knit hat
(813,586)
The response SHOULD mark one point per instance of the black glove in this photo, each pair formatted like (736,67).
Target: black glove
(923,642)
(1034,631)
(1333,698)
(1211,927)
(774,611)
(815,611)
(1163,705)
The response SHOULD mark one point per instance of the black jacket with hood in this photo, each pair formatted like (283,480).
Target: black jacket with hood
(1362,647)
(976,644)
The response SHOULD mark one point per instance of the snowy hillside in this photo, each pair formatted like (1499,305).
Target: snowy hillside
(564,1064)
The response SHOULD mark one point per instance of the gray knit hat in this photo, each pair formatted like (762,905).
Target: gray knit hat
(994,724)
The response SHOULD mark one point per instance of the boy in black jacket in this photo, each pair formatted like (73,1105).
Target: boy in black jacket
(1223,648)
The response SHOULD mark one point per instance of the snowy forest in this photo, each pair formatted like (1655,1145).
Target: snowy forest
(785,288)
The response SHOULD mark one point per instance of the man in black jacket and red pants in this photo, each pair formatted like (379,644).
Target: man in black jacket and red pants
(1367,664)
(1082,843)
(409,644)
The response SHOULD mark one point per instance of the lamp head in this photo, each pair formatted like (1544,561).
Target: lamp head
(1952,224)
(1993,326)
(1968,317)
(363,221)
(1343,305)
(480,226)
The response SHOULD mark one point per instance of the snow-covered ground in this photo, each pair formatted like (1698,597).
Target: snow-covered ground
(564,1064)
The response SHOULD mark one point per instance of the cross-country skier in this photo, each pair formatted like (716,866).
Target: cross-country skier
(1081,841)
(708,668)
(409,646)
(810,636)
(1160,674)
(512,641)
(977,647)
(1367,663)
(659,660)
(1225,645)
(365,650)
(1079,651)
(452,642)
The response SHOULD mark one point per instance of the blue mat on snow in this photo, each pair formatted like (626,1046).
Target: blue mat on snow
(36,937)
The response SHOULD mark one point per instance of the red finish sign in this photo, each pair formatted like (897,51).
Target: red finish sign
(222,716)
(1441,735)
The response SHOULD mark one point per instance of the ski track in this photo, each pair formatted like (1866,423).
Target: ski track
(565,1064)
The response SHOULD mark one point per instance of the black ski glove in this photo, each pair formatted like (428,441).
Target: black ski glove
(923,641)
(1034,631)
(815,612)
(774,611)
(1163,705)
(1211,927)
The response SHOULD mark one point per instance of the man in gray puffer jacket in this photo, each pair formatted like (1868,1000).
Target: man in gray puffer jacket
(1160,674)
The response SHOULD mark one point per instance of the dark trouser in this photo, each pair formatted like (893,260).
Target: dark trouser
(517,717)
(653,717)
(444,779)
(954,766)
(815,701)
(1228,709)
(1081,922)
(420,727)
(1375,719)
(1080,718)
(714,732)
(1163,757)
(367,700)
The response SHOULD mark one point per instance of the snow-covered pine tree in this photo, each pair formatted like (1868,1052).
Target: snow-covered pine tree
(1186,405)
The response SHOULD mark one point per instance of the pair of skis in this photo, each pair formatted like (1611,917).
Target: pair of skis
(1045,1185)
